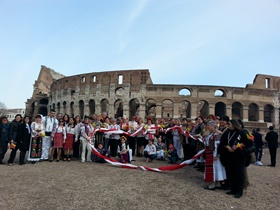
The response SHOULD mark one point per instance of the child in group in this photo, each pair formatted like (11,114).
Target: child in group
(103,151)
(150,151)
(124,153)
(172,154)
(160,149)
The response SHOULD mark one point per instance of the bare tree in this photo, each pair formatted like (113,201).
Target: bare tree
(3,109)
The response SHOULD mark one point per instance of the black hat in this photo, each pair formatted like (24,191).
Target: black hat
(225,118)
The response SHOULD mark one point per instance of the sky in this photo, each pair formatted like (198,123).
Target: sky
(192,42)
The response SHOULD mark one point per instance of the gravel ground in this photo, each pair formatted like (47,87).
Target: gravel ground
(76,185)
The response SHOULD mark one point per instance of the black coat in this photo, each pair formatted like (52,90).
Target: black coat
(13,131)
(272,139)
(24,136)
(258,140)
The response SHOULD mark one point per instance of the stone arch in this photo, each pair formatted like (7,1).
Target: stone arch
(203,108)
(167,108)
(253,112)
(64,107)
(58,107)
(53,106)
(118,107)
(185,109)
(91,105)
(220,93)
(151,108)
(72,109)
(104,106)
(32,109)
(43,111)
(81,108)
(133,107)
(268,113)
(44,101)
(237,110)
(185,92)
(220,109)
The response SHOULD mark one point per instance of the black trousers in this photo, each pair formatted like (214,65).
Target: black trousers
(272,152)
(3,151)
(132,143)
(113,144)
(13,155)
(22,156)
(238,176)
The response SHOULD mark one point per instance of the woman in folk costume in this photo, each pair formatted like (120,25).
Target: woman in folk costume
(150,133)
(37,134)
(214,170)
(141,141)
(106,125)
(150,151)
(124,152)
(24,135)
(160,149)
(177,133)
(58,137)
(233,157)
(70,136)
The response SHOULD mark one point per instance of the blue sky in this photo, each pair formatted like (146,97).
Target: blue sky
(217,42)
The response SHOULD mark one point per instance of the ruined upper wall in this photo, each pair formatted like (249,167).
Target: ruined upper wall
(262,81)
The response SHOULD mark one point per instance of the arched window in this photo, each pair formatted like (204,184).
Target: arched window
(185,109)
(118,108)
(167,108)
(237,111)
(185,92)
(91,107)
(105,106)
(220,109)
(220,93)
(203,108)
(72,109)
(133,107)
(268,113)
(253,112)
(151,108)
(81,108)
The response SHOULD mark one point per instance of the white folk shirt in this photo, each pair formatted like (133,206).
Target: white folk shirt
(151,148)
(49,123)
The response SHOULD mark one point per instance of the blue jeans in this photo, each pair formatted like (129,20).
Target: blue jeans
(151,157)
(258,153)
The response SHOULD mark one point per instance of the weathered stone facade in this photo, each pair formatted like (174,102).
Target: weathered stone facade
(126,92)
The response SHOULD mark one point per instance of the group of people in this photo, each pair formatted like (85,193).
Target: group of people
(228,146)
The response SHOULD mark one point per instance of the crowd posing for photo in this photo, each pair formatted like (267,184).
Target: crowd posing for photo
(228,145)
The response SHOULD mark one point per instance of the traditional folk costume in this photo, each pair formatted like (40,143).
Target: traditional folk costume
(150,152)
(86,133)
(125,154)
(214,170)
(69,141)
(77,144)
(36,143)
(49,124)
(141,141)
(114,140)
(132,139)
(177,141)
(59,136)
(150,133)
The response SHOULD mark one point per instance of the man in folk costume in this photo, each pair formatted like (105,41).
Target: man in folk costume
(214,170)
(49,122)
(87,136)
(177,133)
(124,152)
(114,138)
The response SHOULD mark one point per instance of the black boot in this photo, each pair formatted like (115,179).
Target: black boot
(69,158)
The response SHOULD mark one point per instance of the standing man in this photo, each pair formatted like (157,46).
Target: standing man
(272,140)
(49,122)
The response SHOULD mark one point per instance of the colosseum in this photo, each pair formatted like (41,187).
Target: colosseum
(127,92)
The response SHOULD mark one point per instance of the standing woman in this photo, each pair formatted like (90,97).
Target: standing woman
(76,145)
(66,119)
(58,138)
(24,135)
(13,138)
(37,134)
(214,170)
(233,156)
(4,129)
(70,136)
